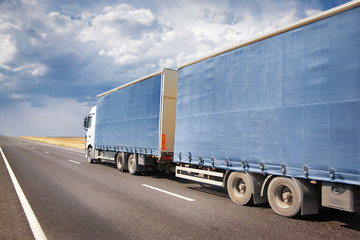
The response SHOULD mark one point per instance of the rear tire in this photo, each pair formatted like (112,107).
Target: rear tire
(89,155)
(240,188)
(284,196)
(120,162)
(132,165)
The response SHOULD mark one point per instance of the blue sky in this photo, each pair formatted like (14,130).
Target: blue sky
(56,56)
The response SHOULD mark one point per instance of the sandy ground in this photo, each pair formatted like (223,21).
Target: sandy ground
(75,142)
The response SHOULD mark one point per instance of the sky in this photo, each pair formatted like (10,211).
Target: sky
(56,56)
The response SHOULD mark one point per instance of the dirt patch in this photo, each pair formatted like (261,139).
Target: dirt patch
(75,142)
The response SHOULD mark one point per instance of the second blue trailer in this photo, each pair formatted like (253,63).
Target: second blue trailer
(277,117)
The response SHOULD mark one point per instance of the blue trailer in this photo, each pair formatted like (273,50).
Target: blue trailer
(133,125)
(277,118)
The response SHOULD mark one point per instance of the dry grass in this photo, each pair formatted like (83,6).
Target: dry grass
(75,142)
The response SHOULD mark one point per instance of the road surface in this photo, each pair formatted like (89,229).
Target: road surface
(73,199)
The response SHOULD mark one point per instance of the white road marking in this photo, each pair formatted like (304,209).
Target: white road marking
(34,223)
(46,152)
(73,161)
(170,193)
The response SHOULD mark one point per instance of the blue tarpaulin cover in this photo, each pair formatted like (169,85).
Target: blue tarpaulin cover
(292,99)
(129,117)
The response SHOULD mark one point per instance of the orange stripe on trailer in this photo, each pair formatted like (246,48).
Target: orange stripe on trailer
(163,142)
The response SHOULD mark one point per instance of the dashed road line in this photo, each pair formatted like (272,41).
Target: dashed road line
(73,161)
(170,193)
(30,215)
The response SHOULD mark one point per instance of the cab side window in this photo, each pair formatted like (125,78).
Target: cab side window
(89,122)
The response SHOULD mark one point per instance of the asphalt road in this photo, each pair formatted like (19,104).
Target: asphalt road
(73,199)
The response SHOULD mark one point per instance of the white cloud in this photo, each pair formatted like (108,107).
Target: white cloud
(7,50)
(311,12)
(216,16)
(59,23)
(125,33)
(39,71)
(17,96)
(23,28)
(125,13)
(164,63)
(34,69)
(212,25)
(122,21)
(6,25)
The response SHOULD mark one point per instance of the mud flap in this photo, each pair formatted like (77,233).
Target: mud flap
(308,195)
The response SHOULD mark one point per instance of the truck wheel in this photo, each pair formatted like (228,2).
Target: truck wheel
(284,196)
(89,155)
(120,163)
(240,186)
(132,164)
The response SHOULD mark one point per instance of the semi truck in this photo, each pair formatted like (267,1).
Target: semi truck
(133,125)
(274,119)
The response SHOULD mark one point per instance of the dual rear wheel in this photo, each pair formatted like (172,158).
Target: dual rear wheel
(283,193)
(129,164)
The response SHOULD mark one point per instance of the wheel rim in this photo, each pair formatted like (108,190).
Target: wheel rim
(132,163)
(119,162)
(89,154)
(239,187)
(284,197)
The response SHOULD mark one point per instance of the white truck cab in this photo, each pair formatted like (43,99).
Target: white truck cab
(89,125)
